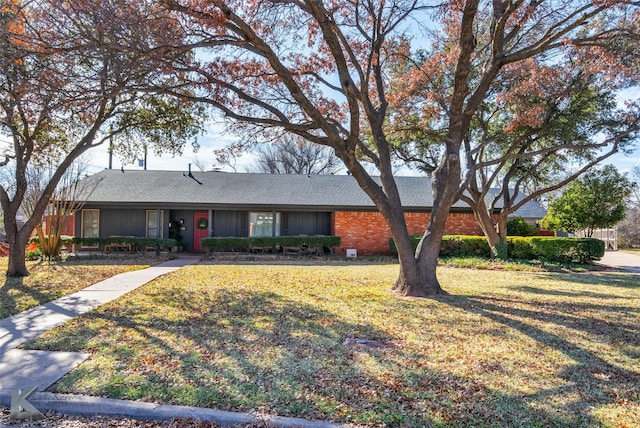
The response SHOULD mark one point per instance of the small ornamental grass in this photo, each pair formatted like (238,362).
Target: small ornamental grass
(504,348)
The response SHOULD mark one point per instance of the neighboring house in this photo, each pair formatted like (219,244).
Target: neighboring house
(145,203)
(608,236)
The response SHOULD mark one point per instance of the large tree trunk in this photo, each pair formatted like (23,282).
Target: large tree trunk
(18,239)
(17,266)
(423,281)
(446,179)
(417,276)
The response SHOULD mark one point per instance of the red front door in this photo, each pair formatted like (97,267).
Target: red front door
(200,229)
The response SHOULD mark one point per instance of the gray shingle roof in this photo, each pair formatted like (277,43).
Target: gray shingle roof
(236,190)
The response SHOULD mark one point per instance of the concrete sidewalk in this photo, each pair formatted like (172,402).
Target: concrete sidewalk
(621,260)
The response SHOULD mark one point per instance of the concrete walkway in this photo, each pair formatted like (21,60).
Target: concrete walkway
(621,260)
(22,369)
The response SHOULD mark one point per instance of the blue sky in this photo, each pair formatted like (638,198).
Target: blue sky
(215,138)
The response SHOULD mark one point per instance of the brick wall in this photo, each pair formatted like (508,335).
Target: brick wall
(69,229)
(368,232)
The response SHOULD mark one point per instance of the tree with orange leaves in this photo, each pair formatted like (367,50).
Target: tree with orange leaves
(62,90)
(319,70)
(539,128)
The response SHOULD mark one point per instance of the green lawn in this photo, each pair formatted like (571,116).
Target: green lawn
(504,348)
(48,282)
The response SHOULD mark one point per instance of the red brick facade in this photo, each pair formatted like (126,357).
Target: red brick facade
(69,227)
(368,232)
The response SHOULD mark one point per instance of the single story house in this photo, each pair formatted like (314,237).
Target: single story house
(146,203)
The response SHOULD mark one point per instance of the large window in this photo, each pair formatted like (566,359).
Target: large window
(90,224)
(154,223)
(264,224)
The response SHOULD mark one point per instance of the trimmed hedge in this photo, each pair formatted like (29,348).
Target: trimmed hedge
(519,247)
(563,250)
(464,246)
(244,244)
(576,250)
(454,245)
(225,244)
(64,239)
(415,240)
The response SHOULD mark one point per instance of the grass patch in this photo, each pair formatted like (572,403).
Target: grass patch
(505,348)
(482,263)
(635,251)
(50,281)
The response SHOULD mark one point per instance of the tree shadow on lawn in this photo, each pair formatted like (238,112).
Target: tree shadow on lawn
(565,293)
(572,315)
(616,279)
(261,352)
(592,378)
(16,286)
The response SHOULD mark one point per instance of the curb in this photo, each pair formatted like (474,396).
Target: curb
(88,406)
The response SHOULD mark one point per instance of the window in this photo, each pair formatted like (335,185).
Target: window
(264,224)
(154,223)
(90,225)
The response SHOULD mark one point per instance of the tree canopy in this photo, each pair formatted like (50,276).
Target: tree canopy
(64,91)
(541,124)
(597,200)
(324,71)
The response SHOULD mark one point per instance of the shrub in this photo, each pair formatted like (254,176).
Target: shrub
(464,246)
(563,250)
(415,240)
(520,248)
(454,246)
(135,242)
(33,252)
(567,250)
(225,244)
(51,246)
(502,250)
(517,226)
(233,243)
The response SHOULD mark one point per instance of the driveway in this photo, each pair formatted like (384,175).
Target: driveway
(621,260)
